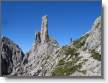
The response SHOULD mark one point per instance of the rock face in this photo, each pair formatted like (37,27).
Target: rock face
(11,56)
(91,50)
(94,40)
(46,58)
(93,47)
(44,29)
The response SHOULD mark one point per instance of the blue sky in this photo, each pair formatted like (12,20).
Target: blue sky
(20,20)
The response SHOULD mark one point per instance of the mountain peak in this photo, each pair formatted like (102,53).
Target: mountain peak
(42,37)
(97,23)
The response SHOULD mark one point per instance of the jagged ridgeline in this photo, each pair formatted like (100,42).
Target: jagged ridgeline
(46,58)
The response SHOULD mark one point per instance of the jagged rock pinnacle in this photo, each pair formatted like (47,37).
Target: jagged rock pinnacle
(44,29)
(42,37)
(38,38)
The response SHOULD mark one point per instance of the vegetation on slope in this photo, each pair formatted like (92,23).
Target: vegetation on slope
(95,55)
(69,66)
(80,42)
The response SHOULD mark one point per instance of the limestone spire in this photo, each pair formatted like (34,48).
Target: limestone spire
(44,29)
(42,37)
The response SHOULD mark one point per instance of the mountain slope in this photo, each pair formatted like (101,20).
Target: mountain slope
(11,56)
(85,54)
(81,58)
(42,56)
(46,58)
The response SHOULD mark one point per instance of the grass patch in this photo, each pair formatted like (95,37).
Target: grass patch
(65,68)
(69,65)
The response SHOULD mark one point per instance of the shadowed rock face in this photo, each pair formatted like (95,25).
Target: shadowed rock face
(11,56)
(38,37)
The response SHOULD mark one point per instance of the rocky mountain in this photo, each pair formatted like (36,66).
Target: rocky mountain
(46,58)
(42,56)
(11,56)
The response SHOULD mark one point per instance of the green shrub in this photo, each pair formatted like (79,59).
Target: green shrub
(61,62)
(96,55)
(59,71)
(66,69)
(71,51)
(70,66)
(80,42)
